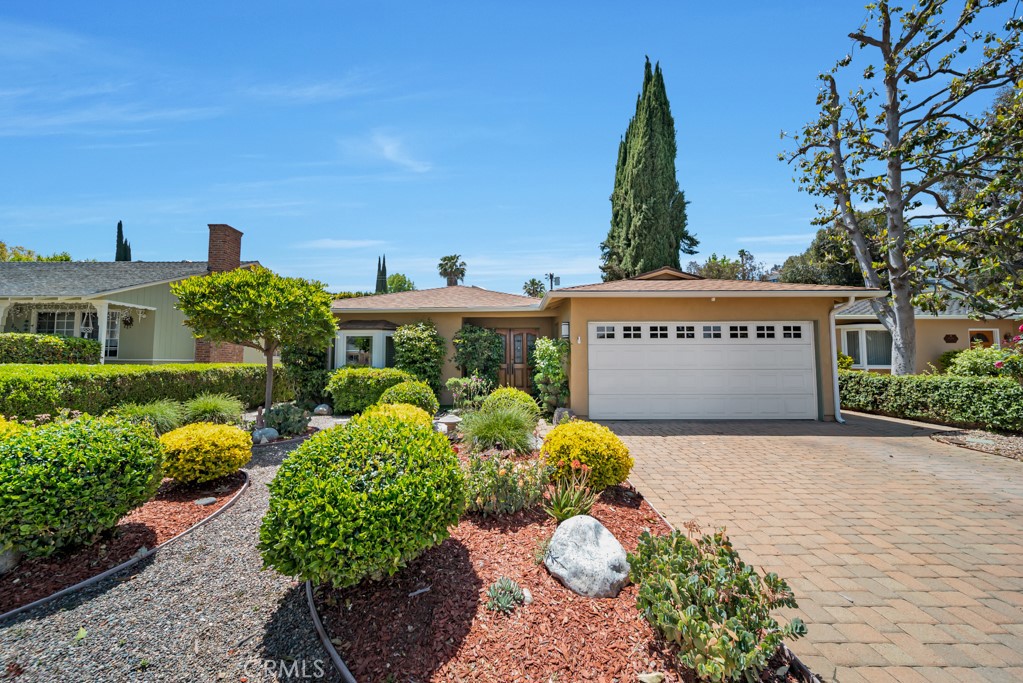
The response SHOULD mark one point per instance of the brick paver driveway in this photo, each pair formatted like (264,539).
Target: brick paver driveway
(906,555)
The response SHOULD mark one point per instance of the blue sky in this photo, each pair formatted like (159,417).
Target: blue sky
(331,133)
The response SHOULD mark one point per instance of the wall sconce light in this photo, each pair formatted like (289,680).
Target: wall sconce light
(578,340)
(564,330)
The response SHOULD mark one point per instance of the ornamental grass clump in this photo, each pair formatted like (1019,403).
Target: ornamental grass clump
(504,426)
(512,396)
(499,486)
(203,451)
(578,442)
(66,482)
(360,501)
(712,607)
(163,416)
(215,408)
(414,393)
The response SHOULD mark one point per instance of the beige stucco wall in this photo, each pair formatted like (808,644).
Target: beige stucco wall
(582,311)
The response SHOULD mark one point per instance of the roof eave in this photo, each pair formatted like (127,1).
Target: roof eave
(532,308)
(724,294)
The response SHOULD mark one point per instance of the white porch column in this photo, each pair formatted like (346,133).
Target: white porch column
(4,305)
(101,320)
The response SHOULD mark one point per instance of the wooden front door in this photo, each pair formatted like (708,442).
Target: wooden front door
(516,370)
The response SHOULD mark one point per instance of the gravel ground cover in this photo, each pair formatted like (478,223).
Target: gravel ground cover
(1007,445)
(198,610)
(167,514)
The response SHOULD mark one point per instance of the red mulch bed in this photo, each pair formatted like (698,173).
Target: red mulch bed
(447,633)
(166,515)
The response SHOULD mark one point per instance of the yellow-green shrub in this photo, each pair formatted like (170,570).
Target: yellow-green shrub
(513,396)
(403,411)
(203,451)
(8,428)
(591,444)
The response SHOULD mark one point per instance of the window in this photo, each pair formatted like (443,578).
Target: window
(983,338)
(765,331)
(365,348)
(870,346)
(56,322)
(632,332)
(879,347)
(113,342)
(852,346)
(738,332)
(685,332)
(712,332)
(605,331)
(658,331)
(792,331)
(359,350)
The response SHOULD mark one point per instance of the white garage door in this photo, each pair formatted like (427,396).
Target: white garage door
(702,370)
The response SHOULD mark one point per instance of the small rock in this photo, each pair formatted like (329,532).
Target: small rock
(654,677)
(587,558)
(527,596)
(206,501)
(9,559)
(536,443)
(262,436)
(323,409)
(440,427)
(562,415)
(141,552)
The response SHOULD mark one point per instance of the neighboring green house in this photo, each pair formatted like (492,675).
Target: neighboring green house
(131,298)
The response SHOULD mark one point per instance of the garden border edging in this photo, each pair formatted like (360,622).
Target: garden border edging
(129,562)
(321,633)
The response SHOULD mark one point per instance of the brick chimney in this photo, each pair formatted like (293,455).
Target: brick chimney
(225,253)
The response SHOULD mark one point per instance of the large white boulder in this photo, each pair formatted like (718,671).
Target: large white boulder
(587,558)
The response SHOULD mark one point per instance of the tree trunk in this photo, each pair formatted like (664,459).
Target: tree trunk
(268,398)
(902,325)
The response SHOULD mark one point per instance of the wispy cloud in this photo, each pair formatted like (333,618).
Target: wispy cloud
(98,118)
(311,92)
(383,146)
(24,42)
(329,243)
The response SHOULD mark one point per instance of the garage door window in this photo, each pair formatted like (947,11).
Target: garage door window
(658,331)
(685,331)
(605,331)
(712,332)
(792,331)
(765,331)
(738,332)
(632,332)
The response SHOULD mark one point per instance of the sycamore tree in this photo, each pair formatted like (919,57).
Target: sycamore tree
(256,308)
(911,125)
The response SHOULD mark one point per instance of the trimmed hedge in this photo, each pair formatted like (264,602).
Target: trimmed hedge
(205,451)
(64,483)
(985,402)
(356,388)
(414,393)
(22,347)
(30,390)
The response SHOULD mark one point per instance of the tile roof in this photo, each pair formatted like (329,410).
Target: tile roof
(956,308)
(455,298)
(88,278)
(702,285)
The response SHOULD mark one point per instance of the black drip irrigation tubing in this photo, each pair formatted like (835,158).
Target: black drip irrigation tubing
(335,656)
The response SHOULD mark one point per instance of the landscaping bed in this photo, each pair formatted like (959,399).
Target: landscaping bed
(1006,445)
(171,511)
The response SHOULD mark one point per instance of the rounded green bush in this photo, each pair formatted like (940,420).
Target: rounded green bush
(414,393)
(511,395)
(578,442)
(354,388)
(203,451)
(402,411)
(64,483)
(361,501)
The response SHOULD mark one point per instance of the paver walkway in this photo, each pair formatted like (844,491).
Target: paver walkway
(905,554)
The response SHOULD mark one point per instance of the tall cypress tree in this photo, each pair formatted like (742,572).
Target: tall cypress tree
(119,252)
(648,210)
(381,285)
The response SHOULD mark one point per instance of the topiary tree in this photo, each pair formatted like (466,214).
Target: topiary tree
(419,350)
(413,393)
(479,352)
(256,308)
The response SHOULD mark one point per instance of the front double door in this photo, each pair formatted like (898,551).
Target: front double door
(516,370)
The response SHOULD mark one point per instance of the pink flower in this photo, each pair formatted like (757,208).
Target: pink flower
(999,364)
(1021,328)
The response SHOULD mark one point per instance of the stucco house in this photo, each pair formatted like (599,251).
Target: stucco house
(665,344)
(865,339)
(126,305)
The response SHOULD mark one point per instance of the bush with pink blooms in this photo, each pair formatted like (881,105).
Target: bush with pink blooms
(1006,361)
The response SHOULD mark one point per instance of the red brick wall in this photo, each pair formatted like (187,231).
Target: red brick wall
(225,253)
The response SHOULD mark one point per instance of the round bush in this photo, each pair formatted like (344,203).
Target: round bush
(204,451)
(64,483)
(9,428)
(354,389)
(589,444)
(402,411)
(361,501)
(414,393)
(511,395)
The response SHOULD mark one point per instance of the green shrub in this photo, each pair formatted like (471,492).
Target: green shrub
(307,373)
(64,483)
(511,395)
(203,451)
(419,350)
(361,501)
(845,362)
(22,347)
(498,486)
(987,362)
(712,607)
(984,402)
(468,393)
(479,351)
(550,373)
(356,388)
(402,411)
(505,426)
(414,393)
(288,419)
(571,495)
(163,415)
(8,428)
(216,408)
(944,360)
(573,444)
(30,390)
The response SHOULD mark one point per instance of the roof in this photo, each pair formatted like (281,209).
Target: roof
(439,299)
(705,287)
(954,309)
(367,325)
(667,273)
(90,278)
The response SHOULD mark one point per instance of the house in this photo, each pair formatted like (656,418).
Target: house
(865,339)
(131,298)
(665,344)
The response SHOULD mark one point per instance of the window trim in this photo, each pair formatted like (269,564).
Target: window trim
(79,315)
(996,336)
(379,350)
(862,330)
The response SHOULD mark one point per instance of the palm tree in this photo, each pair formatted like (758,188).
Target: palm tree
(453,268)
